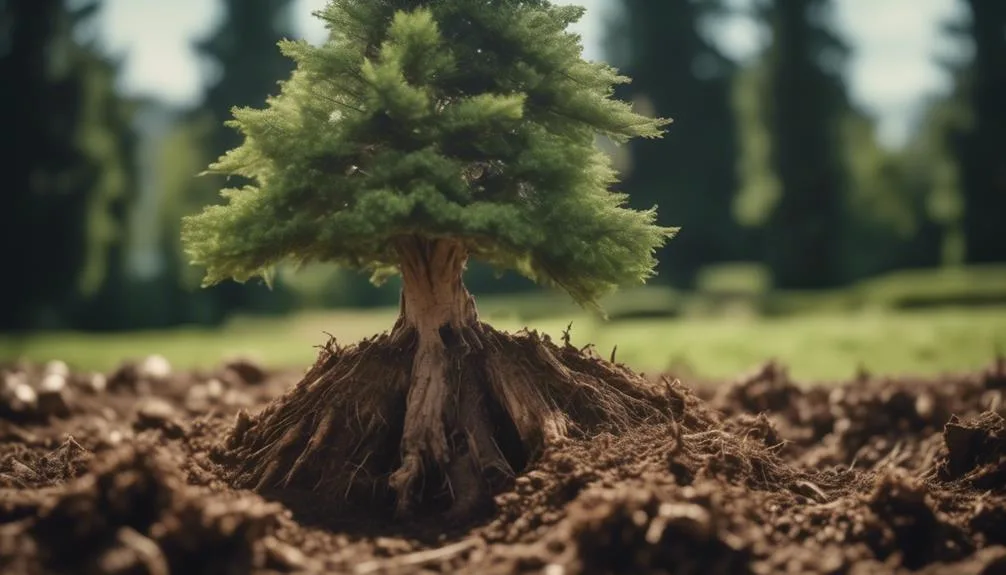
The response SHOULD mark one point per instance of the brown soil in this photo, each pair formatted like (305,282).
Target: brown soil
(128,472)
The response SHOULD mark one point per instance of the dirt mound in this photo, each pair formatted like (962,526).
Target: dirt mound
(132,512)
(975,452)
(129,474)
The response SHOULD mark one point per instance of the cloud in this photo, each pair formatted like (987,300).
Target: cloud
(156,37)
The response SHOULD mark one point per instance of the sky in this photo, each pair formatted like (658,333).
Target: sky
(891,71)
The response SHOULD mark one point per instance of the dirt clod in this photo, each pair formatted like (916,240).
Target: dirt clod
(759,475)
(976,451)
(154,413)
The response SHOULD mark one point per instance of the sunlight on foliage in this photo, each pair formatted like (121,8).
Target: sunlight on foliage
(452,121)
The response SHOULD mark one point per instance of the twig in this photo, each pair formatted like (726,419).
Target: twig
(149,553)
(420,557)
(352,478)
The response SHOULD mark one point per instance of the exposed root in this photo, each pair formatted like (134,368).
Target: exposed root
(330,432)
(443,410)
(339,431)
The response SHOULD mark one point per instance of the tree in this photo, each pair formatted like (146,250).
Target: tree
(981,149)
(243,51)
(888,223)
(66,174)
(420,135)
(805,109)
(108,141)
(691,173)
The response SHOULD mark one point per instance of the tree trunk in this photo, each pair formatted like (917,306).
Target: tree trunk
(446,420)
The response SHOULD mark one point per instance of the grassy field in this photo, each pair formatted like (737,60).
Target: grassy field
(816,347)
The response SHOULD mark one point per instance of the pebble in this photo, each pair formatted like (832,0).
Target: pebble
(282,556)
(57,367)
(155,367)
(214,388)
(555,569)
(925,406)
(18,394)
(97,383)
(155,413)
(52,382)
(234,398)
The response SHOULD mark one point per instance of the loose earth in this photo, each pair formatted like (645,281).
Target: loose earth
(128,472)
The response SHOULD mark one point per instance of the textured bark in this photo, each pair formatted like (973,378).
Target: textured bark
(445,419)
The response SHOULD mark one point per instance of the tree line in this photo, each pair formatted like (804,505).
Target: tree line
(771,161)
(767,161)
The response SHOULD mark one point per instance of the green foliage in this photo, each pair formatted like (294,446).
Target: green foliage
(455,119)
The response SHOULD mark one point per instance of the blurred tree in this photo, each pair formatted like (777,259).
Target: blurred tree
(65,164)
(933,178)
(805,109)
(981,147)
(249,64)
(243,51)
(897,207)
(106,137)
(690,173)
(887,223)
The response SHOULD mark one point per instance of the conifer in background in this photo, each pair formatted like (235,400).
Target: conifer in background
(691,174)
(982,147)
(66,147)
(247,68)
(805,108)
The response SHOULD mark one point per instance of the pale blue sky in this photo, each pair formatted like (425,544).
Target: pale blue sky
(892,68)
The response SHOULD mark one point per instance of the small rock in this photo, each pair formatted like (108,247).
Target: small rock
(17,395)
(153,409)
(235,398)
(248,371)
(154,367)
(97,383)
(555,569)
(925,406)
(214,389)
(197,398)
(57,367)
(158,414)
(115,437)
(283,557)
(52,382)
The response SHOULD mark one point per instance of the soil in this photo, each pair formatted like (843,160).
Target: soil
(128,472)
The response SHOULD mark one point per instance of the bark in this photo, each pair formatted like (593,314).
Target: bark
(446,420)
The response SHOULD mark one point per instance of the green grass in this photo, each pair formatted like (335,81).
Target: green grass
(821,346)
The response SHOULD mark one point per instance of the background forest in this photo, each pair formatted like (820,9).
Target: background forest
(789,198)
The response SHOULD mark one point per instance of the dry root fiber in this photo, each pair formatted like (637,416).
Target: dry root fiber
(440,413)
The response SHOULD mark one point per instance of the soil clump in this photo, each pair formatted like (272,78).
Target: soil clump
(138,471)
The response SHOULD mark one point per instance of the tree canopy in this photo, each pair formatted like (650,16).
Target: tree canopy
(467,119)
